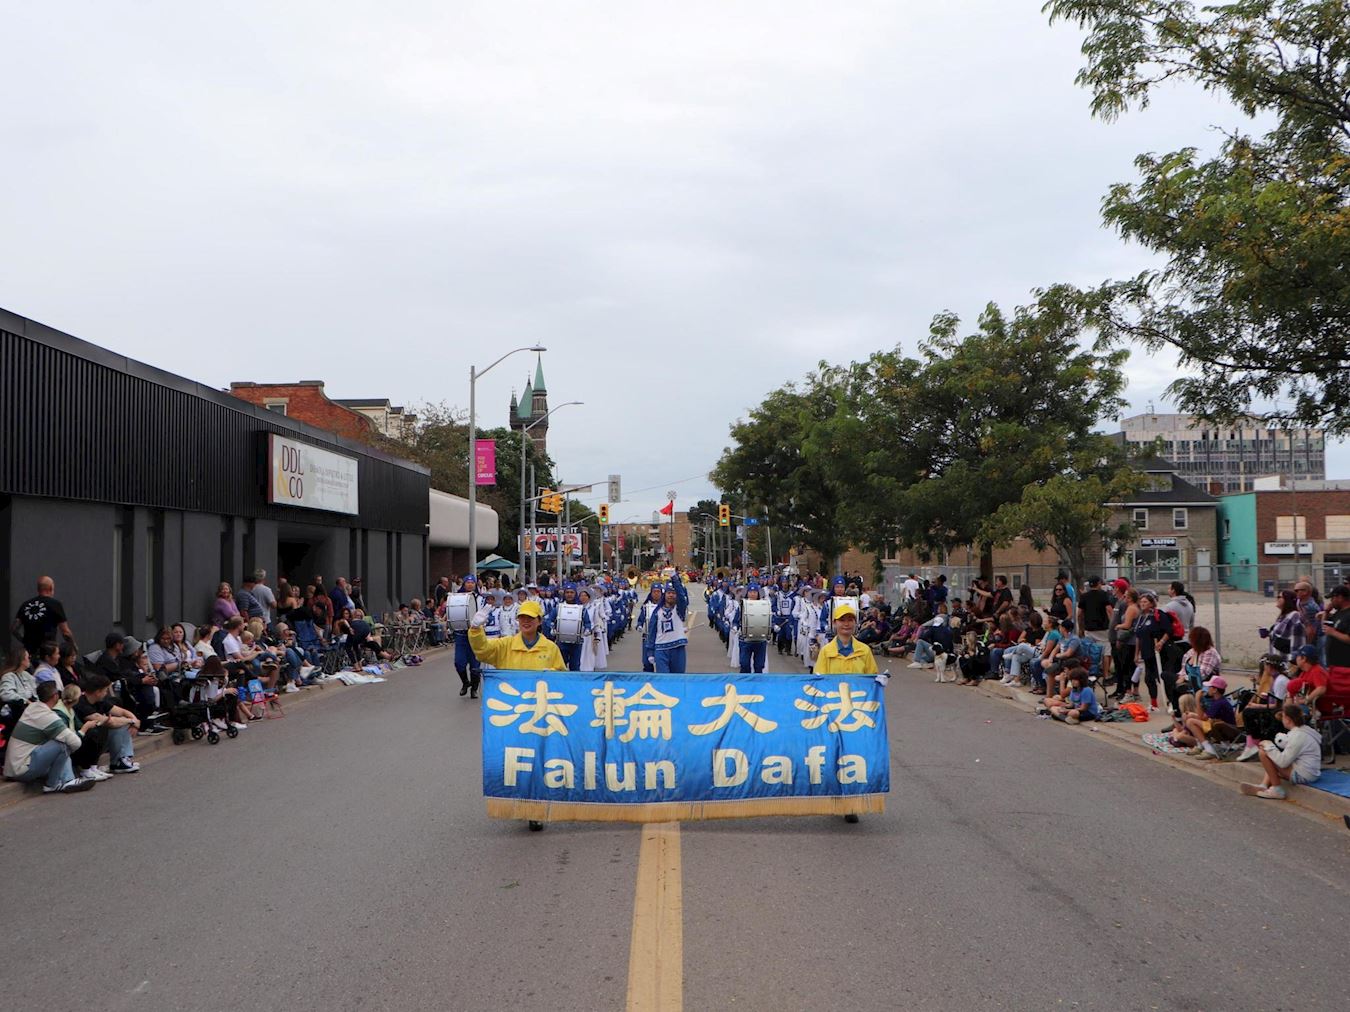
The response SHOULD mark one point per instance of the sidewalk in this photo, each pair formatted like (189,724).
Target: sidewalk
(161,745)
(1308,800)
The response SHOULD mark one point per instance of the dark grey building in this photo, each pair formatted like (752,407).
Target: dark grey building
(138,491)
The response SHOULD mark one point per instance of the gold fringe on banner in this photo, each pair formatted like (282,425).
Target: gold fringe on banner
(683,811)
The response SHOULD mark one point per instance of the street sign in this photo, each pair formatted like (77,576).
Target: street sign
(604,534)
(740,531)
(614,494)
(752,521)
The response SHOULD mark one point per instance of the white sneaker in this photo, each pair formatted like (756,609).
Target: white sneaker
(1248,754)
(915,664)
(93,773)
(292,687)
(239,727)
(70,786)
(218,724)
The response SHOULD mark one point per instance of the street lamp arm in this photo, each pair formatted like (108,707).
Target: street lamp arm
(550,411)
(534,347)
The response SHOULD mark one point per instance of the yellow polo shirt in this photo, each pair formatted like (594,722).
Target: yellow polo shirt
(832,662)
(511,654)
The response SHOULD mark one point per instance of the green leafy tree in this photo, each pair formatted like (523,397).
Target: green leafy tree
(959,432)
(1071,514)
(1253,293)
(781,456)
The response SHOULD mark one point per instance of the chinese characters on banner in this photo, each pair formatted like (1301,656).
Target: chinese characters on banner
(643,747)
(485,461)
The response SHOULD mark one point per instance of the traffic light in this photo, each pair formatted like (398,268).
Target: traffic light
(603,513)
(723,515)
(550,501)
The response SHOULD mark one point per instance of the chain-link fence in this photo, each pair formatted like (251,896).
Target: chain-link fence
(1232,602)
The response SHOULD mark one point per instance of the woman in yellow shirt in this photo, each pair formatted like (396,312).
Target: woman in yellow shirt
(844,655)
(527,650)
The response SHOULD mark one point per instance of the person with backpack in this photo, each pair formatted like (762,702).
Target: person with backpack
(1151,632)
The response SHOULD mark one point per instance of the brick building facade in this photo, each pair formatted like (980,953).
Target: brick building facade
(307,402)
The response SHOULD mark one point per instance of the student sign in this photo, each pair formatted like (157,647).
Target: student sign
(643,747)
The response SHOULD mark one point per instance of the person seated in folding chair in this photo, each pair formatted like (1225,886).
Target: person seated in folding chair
(844,655)
(527,650)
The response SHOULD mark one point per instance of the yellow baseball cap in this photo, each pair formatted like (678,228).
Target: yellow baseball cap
(530,608)
(845,608)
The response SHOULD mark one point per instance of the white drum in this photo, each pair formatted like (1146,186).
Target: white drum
(569,623)
(756,620)
(459,609)
(835,602)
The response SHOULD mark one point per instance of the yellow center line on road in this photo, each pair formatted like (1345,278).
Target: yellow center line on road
(656,950)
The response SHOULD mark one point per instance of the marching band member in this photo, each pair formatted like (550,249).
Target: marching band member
(752,655)
(732,618)
(645,614)
(571,652)
(667,636)
(466,661)
(783,605)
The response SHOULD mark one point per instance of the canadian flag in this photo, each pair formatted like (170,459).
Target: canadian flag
(668,508)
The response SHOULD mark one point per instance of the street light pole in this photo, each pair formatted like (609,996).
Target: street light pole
(474,373)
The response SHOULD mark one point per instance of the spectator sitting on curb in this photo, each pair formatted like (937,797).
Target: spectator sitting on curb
(40,747)
(17,684)
(47,670)
(1180,735)
(1082,702)
(1219,723)
(1299,761)
(104,727)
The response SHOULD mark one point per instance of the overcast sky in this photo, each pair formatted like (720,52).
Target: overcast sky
(688,204)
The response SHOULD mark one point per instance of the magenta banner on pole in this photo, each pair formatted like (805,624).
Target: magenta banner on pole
(485,462)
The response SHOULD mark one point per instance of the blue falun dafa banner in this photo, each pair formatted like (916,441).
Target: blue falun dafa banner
(642,747)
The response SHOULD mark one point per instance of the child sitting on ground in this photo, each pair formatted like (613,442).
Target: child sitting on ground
(1082,702)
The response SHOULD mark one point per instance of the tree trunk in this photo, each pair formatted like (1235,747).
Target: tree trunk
(987,563)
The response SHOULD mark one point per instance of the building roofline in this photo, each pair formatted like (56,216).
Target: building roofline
(68,344)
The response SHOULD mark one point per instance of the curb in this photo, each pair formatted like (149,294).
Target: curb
(1321,805)
(160,746)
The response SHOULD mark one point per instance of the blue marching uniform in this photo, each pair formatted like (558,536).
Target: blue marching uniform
(784,625)
(753,655)
(466,661)
(646,610)
(667,637)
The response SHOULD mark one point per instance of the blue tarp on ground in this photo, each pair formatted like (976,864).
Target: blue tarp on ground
(1333,782)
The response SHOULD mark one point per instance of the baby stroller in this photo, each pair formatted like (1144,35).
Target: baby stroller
(195,719)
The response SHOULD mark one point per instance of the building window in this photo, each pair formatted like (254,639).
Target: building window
(1016,581)
(1141,520)
(1153,565)
(1227,528)
(1291,528)
(279,406)
(1180,520)
(1338,527)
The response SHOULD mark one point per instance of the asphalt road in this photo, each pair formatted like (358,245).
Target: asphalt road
(341,859)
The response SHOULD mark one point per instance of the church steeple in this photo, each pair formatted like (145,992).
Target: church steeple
(539,375)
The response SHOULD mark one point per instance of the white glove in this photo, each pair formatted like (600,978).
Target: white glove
(480,618)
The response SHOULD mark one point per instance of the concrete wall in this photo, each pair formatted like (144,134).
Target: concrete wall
(73,544)
(171,562)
